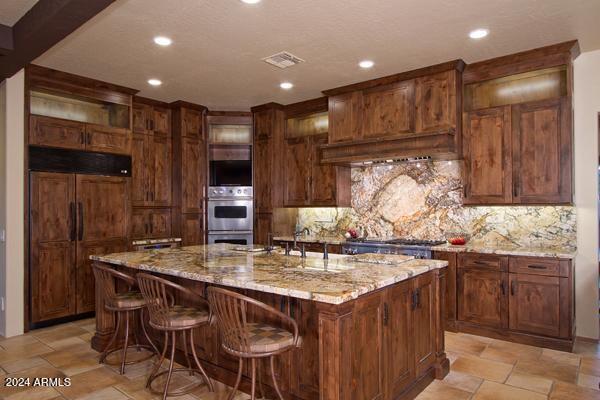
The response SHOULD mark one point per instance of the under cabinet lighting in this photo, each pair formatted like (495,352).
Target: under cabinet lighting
(478,33)
(154,82)
(162,41)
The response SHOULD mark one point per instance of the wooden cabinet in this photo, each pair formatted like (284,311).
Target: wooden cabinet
(345,112)
(542,152)
(194,165)
(263,225)
(150,223)
(388,110)
(263,186)
(450,294)
(482,289)
(435,102)
(304,375)
(487,156)
(72,217)
(192,229)
(526,299)
(57,132)
(307,182)
(192,123)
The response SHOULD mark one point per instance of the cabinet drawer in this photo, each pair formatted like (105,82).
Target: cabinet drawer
(55,132)
(539,266)
(483,261)
(108,139)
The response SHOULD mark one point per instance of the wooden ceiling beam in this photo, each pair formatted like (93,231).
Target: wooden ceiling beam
(43,26)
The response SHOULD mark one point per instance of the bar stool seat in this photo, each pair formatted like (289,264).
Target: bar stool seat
(127,300)
(266,338)
(186,317)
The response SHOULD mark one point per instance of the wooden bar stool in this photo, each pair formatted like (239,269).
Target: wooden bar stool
(122,303)
(252,340)
(170,318)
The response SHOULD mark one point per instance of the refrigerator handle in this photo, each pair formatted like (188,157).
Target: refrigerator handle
(80,207)
(72,218)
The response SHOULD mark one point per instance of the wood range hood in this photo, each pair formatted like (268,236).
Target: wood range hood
(404,116)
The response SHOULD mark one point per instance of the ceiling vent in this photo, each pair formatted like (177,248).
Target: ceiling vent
(283,60)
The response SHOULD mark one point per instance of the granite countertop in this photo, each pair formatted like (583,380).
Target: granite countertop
(333,281)
(142,242)
(312,239)
(553,252)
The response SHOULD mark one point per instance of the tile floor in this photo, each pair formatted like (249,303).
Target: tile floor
(481,369)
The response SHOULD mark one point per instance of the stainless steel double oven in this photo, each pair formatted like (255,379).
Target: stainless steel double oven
(230,214)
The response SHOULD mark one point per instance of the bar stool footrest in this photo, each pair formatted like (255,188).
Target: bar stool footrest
(120,349)
(179,391)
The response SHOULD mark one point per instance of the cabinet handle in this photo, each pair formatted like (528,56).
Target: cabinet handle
(414,300)
(480,263)
(73,218)
(82,137)
(282,304)
(151,124)
(512,288)
(88,139)
(386,313)
(533,266)
(503,288)
(146,228)
(418,297)
(80,206)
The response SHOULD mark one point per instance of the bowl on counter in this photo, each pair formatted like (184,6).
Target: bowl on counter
(457,238)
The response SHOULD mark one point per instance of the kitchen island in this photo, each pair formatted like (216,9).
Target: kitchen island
(371,326)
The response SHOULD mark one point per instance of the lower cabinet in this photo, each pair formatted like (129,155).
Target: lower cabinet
(523,299)
(192,229)
(150,223)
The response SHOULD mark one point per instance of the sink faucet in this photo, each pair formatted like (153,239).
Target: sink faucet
(301,249)
(300,232)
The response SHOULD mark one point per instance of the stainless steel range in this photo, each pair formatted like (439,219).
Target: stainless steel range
(409,247)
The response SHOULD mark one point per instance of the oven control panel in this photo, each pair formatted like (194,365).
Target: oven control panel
(220,192)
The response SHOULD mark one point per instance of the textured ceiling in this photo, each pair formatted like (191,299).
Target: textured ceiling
(12,10)
(218,44)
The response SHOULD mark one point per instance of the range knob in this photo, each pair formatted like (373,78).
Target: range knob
(239,191)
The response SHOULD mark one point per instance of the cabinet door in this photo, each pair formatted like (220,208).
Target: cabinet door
(160,186)
(344,117)
(140,118)
(323,178)
(106,139)
(535,304)
(487,157)
(161,121)
(389,110)
(542,152)
(305,361)
(85,276)
(399,335)
(192,175)
(424,323)
(297,171)
(367,351)
(192,229)
(140,224)
(435,99)
(263,225)
(52,247)
(160,223)
(140,170)
(55,132)
(482,297)
(262,175)
(191,124)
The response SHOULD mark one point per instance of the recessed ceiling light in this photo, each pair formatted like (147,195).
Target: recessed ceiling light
(478,33)
(250,1)
(154,82)
(286,85)
(163,41)
(366,64)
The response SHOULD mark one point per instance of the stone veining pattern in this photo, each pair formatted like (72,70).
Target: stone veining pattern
(424,201)
(334,281)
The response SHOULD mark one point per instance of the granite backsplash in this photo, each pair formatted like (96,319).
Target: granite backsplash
(423,200)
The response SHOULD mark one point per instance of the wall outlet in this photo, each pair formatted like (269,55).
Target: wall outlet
(2,236)
(2,303)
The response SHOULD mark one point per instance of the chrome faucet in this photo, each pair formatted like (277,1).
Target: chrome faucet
(295,246)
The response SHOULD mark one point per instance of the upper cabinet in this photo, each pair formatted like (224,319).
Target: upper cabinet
(72,112)
(411,114)
(518,131)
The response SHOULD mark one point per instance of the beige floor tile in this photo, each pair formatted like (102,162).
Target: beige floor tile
(567,391)
(465,344)
(109,393)
(548,369)
(23,363)
(560,356)
(590,366)
(510,353)
(71,355)
(462,381)
(530,382)
(90,381)
(6,343)
(36,393)
(18,351)
(589,381)
(438,390)
(67,342)
(59,332)
(80,366)
(485,369)
(498,391)
(452,356)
